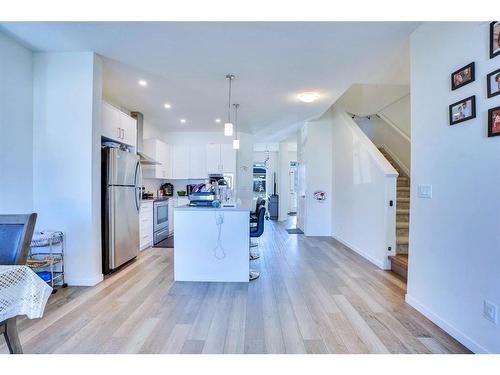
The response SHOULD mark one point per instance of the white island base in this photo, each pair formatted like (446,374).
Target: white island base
(211,244)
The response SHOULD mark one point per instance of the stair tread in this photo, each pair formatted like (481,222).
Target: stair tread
(400,259)
(403,188)
(402,225)
(402,210)
(404,199)
(402,240)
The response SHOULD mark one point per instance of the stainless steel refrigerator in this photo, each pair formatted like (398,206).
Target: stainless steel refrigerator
(121,203)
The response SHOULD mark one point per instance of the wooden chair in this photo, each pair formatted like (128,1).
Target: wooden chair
(16,232)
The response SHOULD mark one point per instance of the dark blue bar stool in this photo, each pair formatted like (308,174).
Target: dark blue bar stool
(256,232)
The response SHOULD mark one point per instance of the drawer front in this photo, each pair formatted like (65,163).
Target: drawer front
(146,222)
(146,239)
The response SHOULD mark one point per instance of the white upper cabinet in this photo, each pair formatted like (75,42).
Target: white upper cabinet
(180,162)
(129,129)
(117,125)
(159,151)
(110,122)
(197,162)
(184,162)
(213,158)
(221,158)
(227,158)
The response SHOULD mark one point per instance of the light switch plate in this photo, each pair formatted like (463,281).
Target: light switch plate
(425,191)
(490,311)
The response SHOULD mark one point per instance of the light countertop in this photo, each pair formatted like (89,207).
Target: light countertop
(235,208)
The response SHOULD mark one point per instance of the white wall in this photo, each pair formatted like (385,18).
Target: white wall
(66,167)
(388,136)
(363,184)
(16,127)
(454,237)
(398,114)
(316,152)
(287,153)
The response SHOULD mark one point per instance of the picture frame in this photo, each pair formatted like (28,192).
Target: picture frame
(493,83)
(494,122)
(463,76)
(494,39)
(463,110)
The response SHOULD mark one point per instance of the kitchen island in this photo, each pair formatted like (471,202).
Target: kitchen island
(211,244)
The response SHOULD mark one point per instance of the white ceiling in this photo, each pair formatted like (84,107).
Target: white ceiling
(185,64)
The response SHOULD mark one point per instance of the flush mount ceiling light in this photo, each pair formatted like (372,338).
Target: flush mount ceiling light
(308,96)
(228,126)
(236,141)
(217,120)
(142,82)
(167,105)
(182,120)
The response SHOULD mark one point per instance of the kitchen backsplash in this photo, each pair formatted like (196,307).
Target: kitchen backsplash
(152,184)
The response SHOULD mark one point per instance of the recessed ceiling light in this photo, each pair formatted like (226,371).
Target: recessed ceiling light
(217,120)
(143,82)
(183,120)
(167,105)
(308,96)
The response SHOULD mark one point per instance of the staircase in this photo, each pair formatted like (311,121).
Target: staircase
(399,262)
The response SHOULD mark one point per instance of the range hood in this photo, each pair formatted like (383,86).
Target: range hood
(143,158)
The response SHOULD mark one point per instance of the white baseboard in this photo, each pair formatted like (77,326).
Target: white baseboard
(384,264)
(450,329)
(91,281)
(396,159)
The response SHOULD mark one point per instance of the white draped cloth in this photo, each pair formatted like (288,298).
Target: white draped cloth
(22,292)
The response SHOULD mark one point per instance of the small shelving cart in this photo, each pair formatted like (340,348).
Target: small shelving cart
(46,257)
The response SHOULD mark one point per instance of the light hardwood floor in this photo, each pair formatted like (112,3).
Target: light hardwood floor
(313,296)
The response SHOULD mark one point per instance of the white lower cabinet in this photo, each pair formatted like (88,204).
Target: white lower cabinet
(146,225)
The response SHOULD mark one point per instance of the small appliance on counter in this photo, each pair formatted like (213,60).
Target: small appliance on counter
(147,194)
(168,189)
(202,199)
(189,189)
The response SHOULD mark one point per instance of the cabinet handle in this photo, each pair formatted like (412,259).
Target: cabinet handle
(119,133)
(123,133)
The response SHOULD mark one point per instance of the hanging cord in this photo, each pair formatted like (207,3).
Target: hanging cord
(236,120)
(219,251)
(230,77)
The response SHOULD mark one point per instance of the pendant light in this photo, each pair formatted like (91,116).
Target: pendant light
(228,126)
(236,141)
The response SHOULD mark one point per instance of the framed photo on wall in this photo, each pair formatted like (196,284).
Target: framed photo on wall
(494,39)
(494,122)
(462,76)
(463,110)
(493,82)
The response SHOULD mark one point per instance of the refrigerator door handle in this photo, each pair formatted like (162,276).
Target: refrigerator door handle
(138,183)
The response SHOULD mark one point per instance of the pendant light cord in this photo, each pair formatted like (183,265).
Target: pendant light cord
(236,120)
(230,77)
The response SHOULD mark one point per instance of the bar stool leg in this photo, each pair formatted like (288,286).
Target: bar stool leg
(253,275)
(12,338)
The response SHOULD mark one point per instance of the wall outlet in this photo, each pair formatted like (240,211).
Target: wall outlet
(425,191)
(490,311)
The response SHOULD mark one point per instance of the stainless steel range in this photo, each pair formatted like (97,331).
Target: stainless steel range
(160,220)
